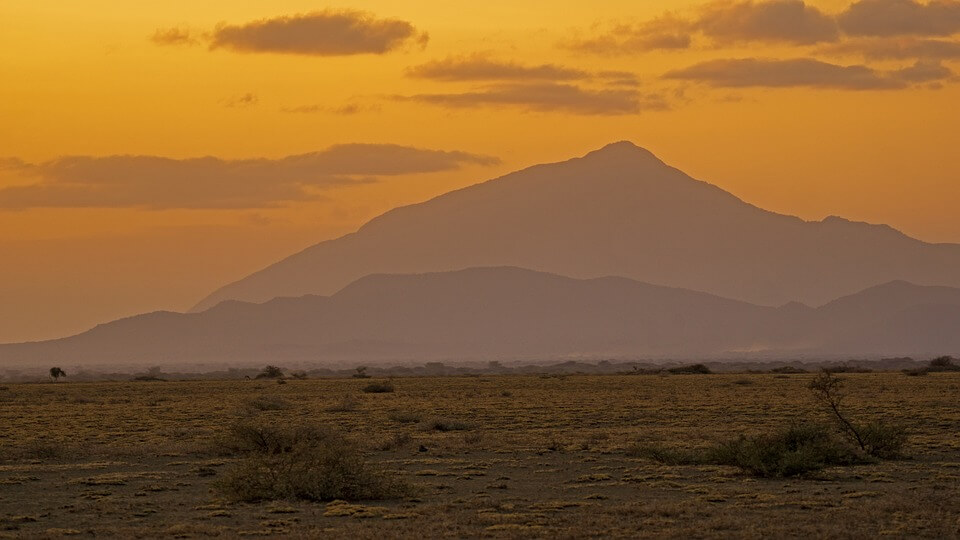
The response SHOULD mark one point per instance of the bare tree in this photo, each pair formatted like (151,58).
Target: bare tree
(828,389)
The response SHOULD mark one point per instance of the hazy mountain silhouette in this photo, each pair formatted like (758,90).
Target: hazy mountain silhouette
(616,211)
(511,313)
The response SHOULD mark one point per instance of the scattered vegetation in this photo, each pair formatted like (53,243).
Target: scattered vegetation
(301,461)
(405,417)
(361,373)
(695,369)
(269,403)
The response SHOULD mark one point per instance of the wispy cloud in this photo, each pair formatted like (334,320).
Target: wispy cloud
(175,36)
(895,48)
(163,183)
(480,67)
(803,72)
(550,97)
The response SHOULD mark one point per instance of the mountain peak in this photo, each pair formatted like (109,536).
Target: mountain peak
(622,150)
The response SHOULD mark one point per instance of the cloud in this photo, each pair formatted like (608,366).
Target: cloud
(321,33)
(245,100)
(724,22)
(896,48)
(802,72)
(901,17)
(344,110)
(174,36)
(479,67)
(163,183)
(922,72)
(665,33)
(788,21)
(550,97)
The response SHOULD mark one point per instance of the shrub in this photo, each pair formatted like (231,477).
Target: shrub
(361,373)
(378,388)
(794,451)
(443,424)
(943,363)
(916,372)
(148,378)
(301,461)
(788,370)
(882,440)
(270,372)
(695,369)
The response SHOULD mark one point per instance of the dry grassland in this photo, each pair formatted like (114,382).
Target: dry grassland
(492,456)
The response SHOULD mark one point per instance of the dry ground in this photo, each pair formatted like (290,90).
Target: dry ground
(543,457)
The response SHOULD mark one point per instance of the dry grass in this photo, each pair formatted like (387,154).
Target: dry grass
(557,457)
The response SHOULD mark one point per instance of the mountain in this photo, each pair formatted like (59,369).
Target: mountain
(616,211)
(514,314)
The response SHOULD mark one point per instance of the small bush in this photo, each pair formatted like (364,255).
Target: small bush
(943,363)
(744,382)
(304,462)
(378,388)
(695,369)
(270,372)
(148,378)
(916,372)
(443,424)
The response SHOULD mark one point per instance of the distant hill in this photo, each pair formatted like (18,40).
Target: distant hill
(511,313)
(616,211)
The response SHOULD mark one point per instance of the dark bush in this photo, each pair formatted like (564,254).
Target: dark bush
(794,451)
(788,370)
(943,363)
(443,424)
(378,388)
(301,461)
(883,441)
(916,372)
(405,417)
(270,372)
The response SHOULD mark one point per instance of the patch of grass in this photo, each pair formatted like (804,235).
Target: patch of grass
(269,403)
(301,462)
(405,417)
(379,388)
(664,454)
(347,404)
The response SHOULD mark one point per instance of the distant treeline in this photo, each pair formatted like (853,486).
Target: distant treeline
(433,369)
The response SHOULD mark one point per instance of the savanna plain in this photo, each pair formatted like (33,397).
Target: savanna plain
(560,456)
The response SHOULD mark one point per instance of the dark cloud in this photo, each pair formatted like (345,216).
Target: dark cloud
(805,72)
(788,21)
(174,36)
(550,97)
(479,67)
(323,33)
(901,17)
(896,48)
(208,182)
(345,110)
(665,33)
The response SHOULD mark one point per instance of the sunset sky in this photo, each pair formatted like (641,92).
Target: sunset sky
(153,151)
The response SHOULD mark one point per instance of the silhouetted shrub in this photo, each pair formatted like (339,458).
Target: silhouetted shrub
(301,461)
(378,388)
(361,373)
(270,372)
(695,369)
(443,424)
(943,363)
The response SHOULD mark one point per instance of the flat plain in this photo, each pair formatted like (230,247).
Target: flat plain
(524,456)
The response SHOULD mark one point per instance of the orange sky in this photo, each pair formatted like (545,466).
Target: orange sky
(789,106)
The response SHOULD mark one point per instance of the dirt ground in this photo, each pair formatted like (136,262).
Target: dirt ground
(538,457)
